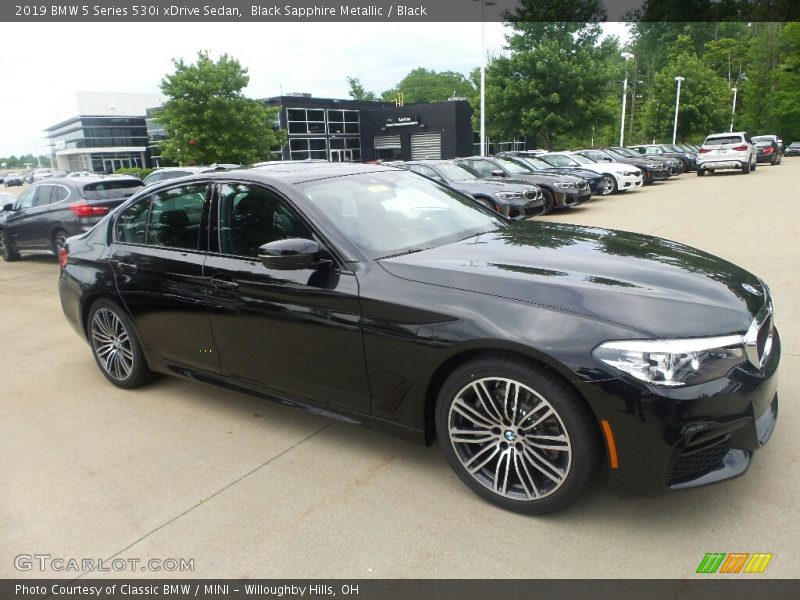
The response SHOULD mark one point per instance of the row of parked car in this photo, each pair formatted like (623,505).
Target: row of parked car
(15,178)
(522,184)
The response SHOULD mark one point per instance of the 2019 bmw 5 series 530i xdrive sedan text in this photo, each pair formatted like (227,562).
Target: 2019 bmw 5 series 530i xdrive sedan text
(537,353)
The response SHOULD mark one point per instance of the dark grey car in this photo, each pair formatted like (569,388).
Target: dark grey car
(512,199)
(50,211)
(559,191)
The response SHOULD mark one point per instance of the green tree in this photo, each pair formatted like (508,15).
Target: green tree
(704,103)
(761,84)
(786,105)
(554,83)
(209,120)
(423,85)
(357,91)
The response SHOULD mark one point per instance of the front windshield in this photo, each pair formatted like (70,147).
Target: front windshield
(581,159)
(387,213)
(457,172)
(557,160)
(625,152)
(513,166)
(535,162)
(615,154)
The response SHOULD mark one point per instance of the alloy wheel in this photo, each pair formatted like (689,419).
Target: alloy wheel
(112,344)
(606,185)
(509,438)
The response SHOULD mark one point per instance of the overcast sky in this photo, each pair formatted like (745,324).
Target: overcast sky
(40,81)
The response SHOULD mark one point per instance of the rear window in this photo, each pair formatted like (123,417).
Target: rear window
(727,139)
(107,190)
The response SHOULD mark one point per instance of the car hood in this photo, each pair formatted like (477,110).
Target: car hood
(658,287)
(489,186)
(573,171)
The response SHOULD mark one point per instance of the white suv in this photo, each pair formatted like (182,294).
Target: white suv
(727,151)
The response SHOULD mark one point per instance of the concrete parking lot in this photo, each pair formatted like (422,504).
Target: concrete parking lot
(248,488)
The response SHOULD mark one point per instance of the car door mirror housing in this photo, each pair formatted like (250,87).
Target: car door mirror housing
(498,173)
(292,254)
(8,206)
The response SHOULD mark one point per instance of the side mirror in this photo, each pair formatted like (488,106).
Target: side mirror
(498,173)
(606,159)
(8,206)
(293,254)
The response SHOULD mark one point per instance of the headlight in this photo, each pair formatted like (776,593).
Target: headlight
(673,363)
(565,186)
(508,195)
(653,165)
(631,173)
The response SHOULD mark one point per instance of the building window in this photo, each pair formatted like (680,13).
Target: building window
(343,122)
(305,148)
(303,121)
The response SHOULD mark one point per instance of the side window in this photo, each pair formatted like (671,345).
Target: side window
(60,193)
(250,216)
(43,195)
(175,217)
(132,222)
(26,199)
(484,167)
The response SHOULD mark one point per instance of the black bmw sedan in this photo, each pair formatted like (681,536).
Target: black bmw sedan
(537,353)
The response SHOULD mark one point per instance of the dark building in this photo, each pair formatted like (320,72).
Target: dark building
(360,131)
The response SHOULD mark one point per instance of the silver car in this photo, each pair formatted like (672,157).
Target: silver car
(727,151)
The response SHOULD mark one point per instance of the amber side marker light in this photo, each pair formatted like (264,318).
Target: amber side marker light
(612,445)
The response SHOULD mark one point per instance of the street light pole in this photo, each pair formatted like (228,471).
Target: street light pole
(733,108)
(627,56)
(679,79)
(484,4)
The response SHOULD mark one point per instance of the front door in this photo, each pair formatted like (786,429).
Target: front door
(20,223)
(295,333)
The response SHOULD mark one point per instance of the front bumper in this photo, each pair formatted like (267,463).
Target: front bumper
(677,438)
(628,182)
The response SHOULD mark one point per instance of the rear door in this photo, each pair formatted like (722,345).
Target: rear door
(157,257)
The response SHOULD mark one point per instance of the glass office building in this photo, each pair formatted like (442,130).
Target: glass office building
(109,132)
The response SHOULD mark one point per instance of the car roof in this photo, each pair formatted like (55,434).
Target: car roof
(300,172)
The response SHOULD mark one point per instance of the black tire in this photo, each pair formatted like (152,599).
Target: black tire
(59,239)
(569,432)
(6,251)
(102,332)
(613,187)
(746,169)
(754,166)
(549,204)
(700,172)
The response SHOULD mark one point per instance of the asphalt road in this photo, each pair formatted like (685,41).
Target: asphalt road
(248,488)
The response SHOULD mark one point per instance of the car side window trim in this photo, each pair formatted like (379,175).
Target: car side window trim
(215,230)
(203,234)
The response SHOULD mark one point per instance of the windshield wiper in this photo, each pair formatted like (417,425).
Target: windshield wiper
(409,251)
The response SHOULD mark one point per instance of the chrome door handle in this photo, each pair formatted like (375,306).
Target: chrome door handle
(224,284)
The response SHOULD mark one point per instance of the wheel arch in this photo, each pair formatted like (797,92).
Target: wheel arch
(463,355)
